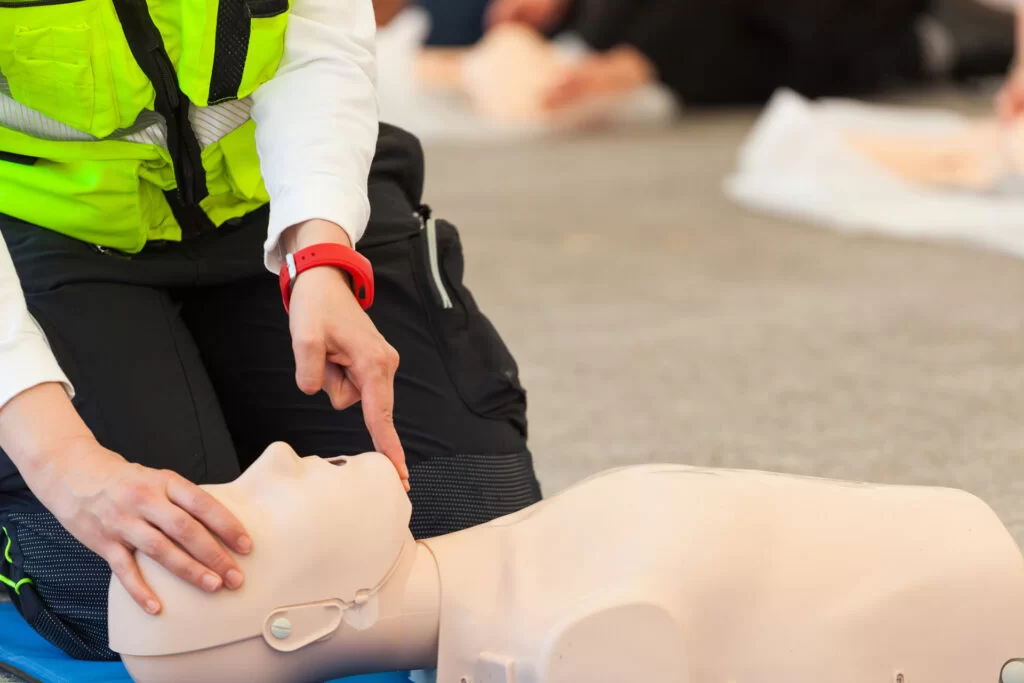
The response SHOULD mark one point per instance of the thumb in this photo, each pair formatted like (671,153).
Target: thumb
(310,363)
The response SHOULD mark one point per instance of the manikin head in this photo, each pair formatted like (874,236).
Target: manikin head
(326,534)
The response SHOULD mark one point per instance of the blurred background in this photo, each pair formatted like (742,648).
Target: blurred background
(737,233)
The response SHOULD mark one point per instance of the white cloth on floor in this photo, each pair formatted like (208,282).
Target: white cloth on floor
(796,163)
(444,116)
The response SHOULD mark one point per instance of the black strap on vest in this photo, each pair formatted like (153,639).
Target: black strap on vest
(231,50)
(234,27)
(147,47)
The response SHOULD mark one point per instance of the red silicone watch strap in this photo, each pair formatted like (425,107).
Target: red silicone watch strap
(334,255)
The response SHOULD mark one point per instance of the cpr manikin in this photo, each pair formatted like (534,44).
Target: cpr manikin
(980,156)
(508,75)
(655,573)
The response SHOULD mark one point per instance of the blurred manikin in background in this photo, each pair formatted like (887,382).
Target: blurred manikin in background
(978,157)
(653,573)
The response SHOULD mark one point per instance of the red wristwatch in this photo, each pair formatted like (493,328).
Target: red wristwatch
(327,254)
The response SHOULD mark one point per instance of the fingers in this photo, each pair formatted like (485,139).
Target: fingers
(123,564)
(310,355)
(199,543)
(342,392)
(209,512)
(567,91)
(501,11)
(375,381)
(154,544)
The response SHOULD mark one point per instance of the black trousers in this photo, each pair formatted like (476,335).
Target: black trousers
(181,358)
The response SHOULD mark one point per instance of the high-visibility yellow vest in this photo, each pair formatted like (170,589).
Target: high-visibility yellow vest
(125,121)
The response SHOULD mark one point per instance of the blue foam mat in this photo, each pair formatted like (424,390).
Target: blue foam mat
(23,649)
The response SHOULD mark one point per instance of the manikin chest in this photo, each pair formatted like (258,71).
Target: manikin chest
(678,575)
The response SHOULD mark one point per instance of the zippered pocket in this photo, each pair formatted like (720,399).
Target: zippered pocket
(477,360)
(429,227)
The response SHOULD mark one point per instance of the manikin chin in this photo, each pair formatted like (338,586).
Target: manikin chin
(662,574)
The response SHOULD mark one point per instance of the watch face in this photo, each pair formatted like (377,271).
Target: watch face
(1013,672)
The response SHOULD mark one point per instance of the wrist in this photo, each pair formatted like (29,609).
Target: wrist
(327,260)
(38,427)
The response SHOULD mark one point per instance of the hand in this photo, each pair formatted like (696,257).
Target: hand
(115,507)
(1010,100)
(337,348)
(619,71)
(540,14)
(386,10)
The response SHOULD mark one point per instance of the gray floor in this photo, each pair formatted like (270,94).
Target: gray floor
(654,321)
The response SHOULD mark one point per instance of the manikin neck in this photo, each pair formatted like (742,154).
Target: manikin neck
(405,637)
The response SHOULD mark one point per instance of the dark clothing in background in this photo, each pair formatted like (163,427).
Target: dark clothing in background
(181,357)
(455,23)
(740,51)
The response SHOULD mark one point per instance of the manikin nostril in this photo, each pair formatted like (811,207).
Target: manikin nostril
(339,461)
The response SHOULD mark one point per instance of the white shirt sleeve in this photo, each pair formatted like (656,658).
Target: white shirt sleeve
(25,357)
(317,120)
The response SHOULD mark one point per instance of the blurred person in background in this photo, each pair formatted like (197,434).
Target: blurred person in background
(718,52)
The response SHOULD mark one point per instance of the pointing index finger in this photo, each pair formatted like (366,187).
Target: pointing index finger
(378,413)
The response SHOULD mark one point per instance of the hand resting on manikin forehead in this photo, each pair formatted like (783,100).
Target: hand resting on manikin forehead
(347,517)
(283,500)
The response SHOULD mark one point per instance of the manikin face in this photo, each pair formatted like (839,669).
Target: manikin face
(321,530)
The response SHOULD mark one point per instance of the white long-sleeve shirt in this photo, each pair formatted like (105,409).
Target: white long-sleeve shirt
(316,132)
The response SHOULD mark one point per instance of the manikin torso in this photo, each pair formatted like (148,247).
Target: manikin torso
(654,573)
